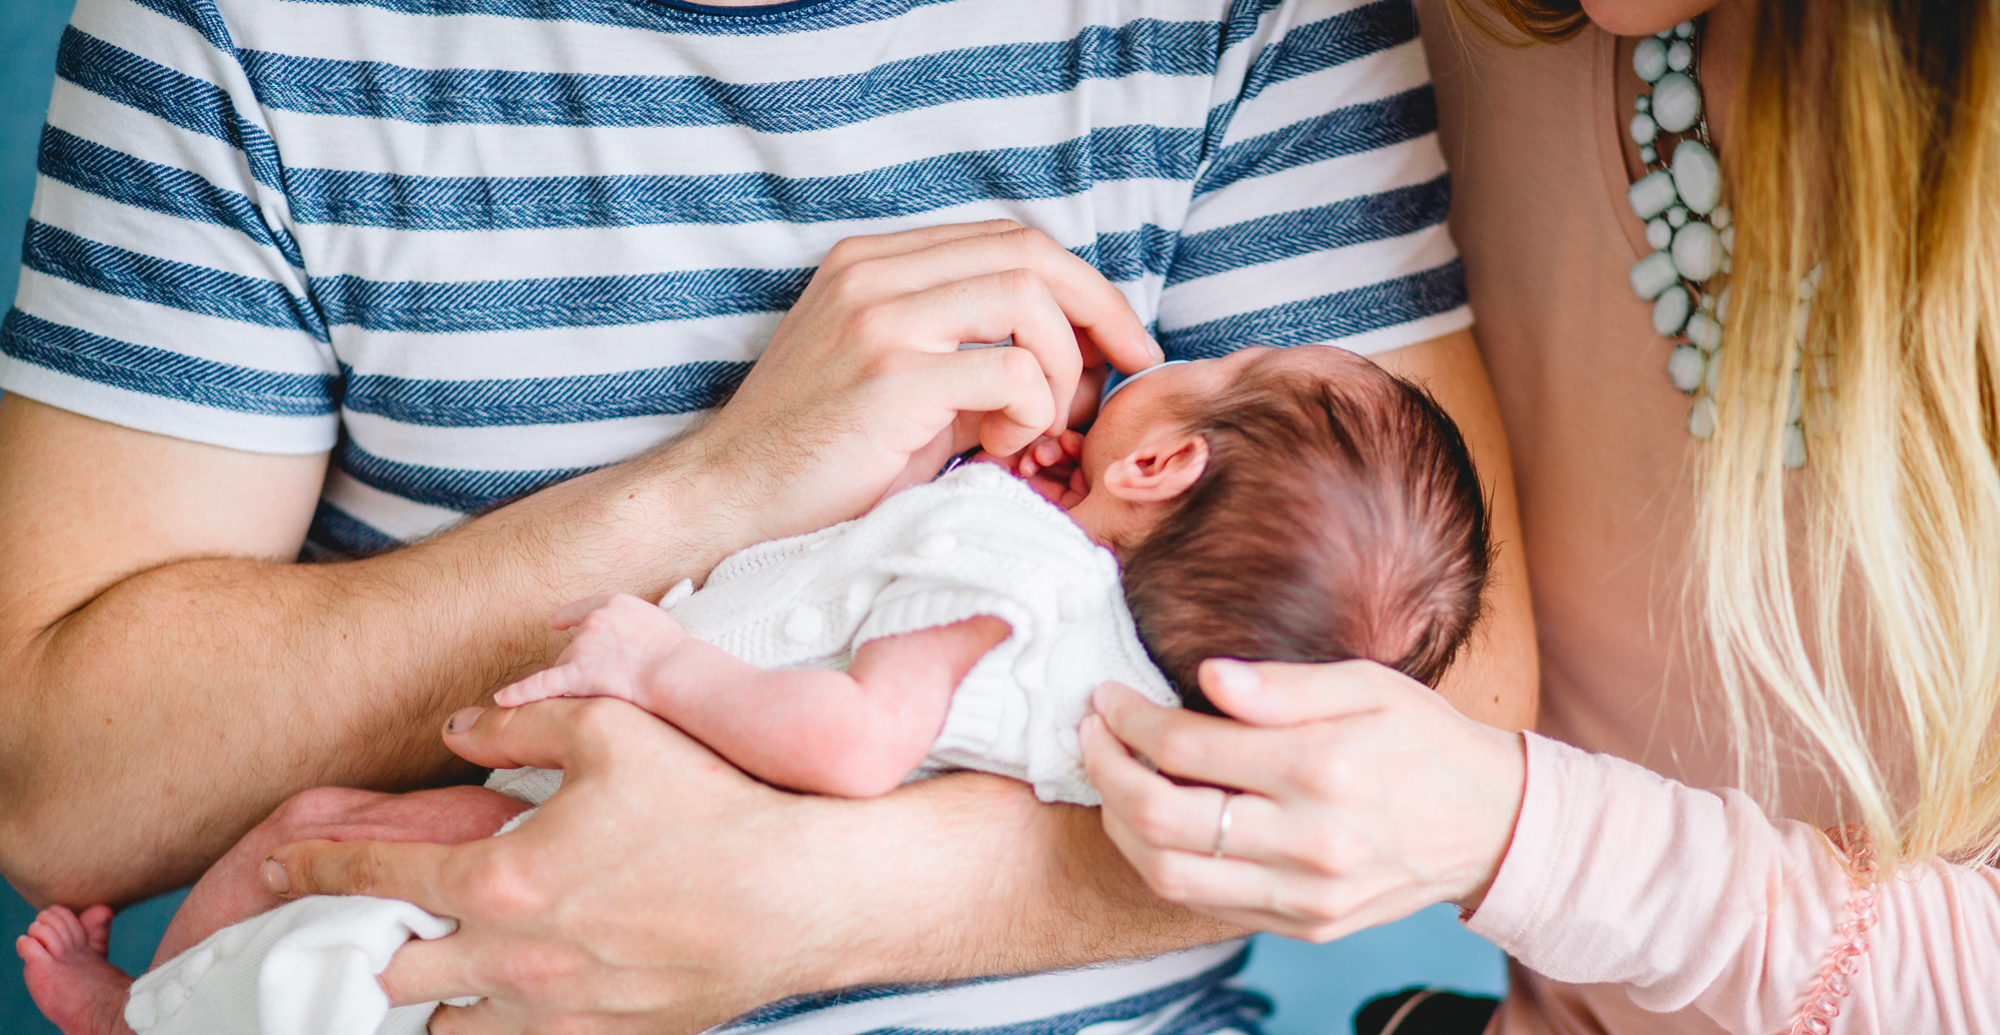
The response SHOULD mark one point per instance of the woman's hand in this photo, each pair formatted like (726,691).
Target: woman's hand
(863,388)
(1363,796)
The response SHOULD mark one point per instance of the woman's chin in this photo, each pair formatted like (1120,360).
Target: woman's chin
(1642,17)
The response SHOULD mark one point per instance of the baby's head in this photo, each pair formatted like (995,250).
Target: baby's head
(1288,505)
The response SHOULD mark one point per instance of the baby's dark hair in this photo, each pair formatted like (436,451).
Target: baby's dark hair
(1338,517)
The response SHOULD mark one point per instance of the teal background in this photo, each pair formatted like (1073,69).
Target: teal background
(28,33)
(1318,988)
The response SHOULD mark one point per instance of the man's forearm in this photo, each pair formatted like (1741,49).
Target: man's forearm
(1007,885)
(147,726)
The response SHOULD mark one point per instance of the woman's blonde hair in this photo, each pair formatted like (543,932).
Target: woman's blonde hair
(1865,141)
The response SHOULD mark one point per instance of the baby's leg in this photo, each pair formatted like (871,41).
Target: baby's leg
(62,961)
(78,989)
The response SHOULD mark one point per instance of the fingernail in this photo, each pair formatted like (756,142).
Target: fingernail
(462,720)
(1158,352)
(1234,677)
(1100,698)
(275,876)
(1087,730)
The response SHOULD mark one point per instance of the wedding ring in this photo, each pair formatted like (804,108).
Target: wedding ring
(1222,822)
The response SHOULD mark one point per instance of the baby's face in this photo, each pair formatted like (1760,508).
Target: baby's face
(1162,396)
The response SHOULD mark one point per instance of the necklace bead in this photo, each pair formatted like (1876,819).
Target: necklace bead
(1697,251)
(1670,312)
(1676,102)
(1685,367)
(1653,275)
(1649,59)
(1659,234)
(1691,232)
(1697,176)
(1704,330)
(1652,194)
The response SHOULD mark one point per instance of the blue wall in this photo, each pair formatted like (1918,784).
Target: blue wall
(28,33)
(1317,987)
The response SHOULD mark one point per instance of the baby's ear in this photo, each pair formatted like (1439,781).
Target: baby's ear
(1166,464)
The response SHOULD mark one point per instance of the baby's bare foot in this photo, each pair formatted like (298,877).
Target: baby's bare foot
(67,974)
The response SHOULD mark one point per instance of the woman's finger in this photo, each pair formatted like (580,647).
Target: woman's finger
(1199,880)
(1164,815)
(1271,693)
(1191,746)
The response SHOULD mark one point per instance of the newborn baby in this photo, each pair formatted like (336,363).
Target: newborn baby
(1293,505)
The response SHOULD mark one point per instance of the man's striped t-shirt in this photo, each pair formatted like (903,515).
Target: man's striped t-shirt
(476,246)
(472,247)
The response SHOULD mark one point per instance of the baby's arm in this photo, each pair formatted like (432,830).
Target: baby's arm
(856,733)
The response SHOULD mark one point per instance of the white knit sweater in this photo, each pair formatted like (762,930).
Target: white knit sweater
(977,541)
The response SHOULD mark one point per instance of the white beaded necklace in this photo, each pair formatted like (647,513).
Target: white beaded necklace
(1688,227)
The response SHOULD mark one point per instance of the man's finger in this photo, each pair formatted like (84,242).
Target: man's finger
(881,246)
(405,870)
(427,971)
(568,733)
(1270,693)
(1005,385)
(1090,303)
(997,306)
(485,1017)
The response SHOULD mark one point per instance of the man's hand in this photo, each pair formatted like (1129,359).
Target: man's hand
(702,894)
(635,789)
(866,368)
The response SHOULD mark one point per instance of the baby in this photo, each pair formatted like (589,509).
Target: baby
(1294,505)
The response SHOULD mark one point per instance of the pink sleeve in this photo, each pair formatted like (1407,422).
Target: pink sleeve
(1691,898)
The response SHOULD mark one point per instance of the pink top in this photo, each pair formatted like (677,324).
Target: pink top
(1627,894)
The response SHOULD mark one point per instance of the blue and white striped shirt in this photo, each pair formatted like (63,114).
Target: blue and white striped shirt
(476,246)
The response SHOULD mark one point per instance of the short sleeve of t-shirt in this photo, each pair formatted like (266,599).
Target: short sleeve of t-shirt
(161,288)
(1318,209)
